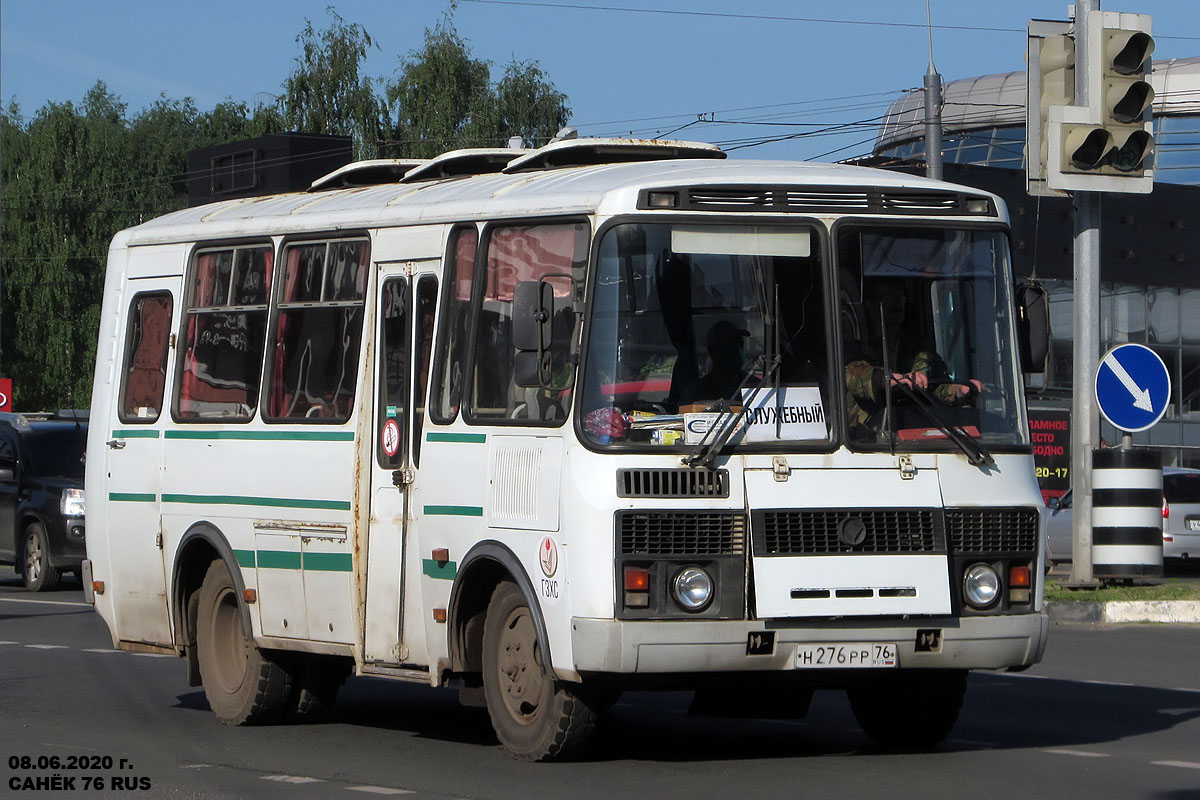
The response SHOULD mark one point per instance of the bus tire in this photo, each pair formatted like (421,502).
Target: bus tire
(36,571)
(244,685)
(317,680)
(910,710)
(536,718)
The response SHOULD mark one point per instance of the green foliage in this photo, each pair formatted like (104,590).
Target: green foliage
(326,94)
(1171,589)
(72,177)
(443,99)
(75,174)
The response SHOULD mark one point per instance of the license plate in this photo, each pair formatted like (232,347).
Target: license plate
(1194,524)
(846,656)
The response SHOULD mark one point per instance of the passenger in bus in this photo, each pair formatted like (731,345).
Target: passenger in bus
(726,344)
(910,363)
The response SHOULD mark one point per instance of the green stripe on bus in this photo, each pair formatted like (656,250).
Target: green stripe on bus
(131,497)
(135,434)
(279,559)
(259,436)
(461,438)
(454,511)
(245,558)
(442,571)
(271,502)
(328,562)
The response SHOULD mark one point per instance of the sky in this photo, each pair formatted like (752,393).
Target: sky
(813,76)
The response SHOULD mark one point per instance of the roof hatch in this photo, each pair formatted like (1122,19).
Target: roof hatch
(366,173)
(588,152)
(471,161)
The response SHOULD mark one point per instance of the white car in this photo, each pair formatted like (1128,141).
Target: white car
(1181,518)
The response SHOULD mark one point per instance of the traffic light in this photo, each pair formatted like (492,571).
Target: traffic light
(1109,144)
(1049,81)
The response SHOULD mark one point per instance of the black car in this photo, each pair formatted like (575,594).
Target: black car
(41,495)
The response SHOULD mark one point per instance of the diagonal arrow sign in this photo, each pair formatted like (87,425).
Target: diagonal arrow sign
(1141,397)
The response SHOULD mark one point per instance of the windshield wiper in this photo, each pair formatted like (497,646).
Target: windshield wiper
(974,451)
(723,428)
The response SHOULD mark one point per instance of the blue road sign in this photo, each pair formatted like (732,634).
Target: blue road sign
(1133,387)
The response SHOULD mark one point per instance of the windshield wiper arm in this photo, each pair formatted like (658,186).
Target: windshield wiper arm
(724,426)
(975,453)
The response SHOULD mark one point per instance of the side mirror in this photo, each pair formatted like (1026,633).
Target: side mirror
(1033,326)
(533,310)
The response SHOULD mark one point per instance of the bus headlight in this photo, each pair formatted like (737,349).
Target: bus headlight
(981,585)
(71,504)
(692,588)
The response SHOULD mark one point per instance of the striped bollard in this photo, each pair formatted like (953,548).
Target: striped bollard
(1127,513)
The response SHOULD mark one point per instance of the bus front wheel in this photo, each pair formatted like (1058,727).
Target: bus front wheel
(536,718)
(910,710)
(244,685)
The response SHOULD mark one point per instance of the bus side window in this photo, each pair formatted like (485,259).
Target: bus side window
(427,288)
(145,368)
(314,365)
(517,253)
(455,326)
(224,334)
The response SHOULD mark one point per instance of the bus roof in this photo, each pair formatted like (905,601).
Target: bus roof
(603,189)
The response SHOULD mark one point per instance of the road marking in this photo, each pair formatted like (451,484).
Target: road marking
(101,650)
(291,779)
(1184,764)
(48,646)
(44,602)
(9,642)
(377,790)
(154,655)
(1079,753)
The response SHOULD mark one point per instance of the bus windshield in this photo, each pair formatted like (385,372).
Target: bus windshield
(926,328)
(690,321)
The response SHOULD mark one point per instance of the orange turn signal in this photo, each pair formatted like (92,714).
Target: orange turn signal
(98,587)
(250,596)
(637,579)
(1019,576)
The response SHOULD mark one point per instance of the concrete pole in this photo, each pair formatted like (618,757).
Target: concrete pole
(1085,418)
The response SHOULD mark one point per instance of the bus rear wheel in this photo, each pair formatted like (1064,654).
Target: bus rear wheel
(536,718)
(244,685)
(910,710)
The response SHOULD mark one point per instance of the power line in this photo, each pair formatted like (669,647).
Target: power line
(765,17)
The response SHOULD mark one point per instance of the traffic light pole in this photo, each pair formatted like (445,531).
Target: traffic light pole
(1085,418)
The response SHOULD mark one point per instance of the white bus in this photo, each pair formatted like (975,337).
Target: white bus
(551,424)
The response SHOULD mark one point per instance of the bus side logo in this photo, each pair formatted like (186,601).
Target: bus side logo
(548,556)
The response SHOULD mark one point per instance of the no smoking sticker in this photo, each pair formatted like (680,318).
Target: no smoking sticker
(391,438)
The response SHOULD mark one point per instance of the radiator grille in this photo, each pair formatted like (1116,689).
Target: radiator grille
(992,530)
(681,533)
(835,199)
(672,483)
(814,532)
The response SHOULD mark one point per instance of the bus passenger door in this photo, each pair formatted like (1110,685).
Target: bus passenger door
(391,470)
(133,463)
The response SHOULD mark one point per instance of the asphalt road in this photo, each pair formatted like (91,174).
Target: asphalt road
(1113,712)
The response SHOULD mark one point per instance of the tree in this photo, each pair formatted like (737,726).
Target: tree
(443,99)
(326,94)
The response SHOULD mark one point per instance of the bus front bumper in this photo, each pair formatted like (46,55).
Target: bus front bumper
(693,646)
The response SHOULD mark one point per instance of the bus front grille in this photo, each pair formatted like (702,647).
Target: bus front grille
(681,533)
(788,532)
(992,530)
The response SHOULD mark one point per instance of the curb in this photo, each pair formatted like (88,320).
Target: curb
(1163,611)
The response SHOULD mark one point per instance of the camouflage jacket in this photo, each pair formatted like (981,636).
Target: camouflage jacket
(865,390)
